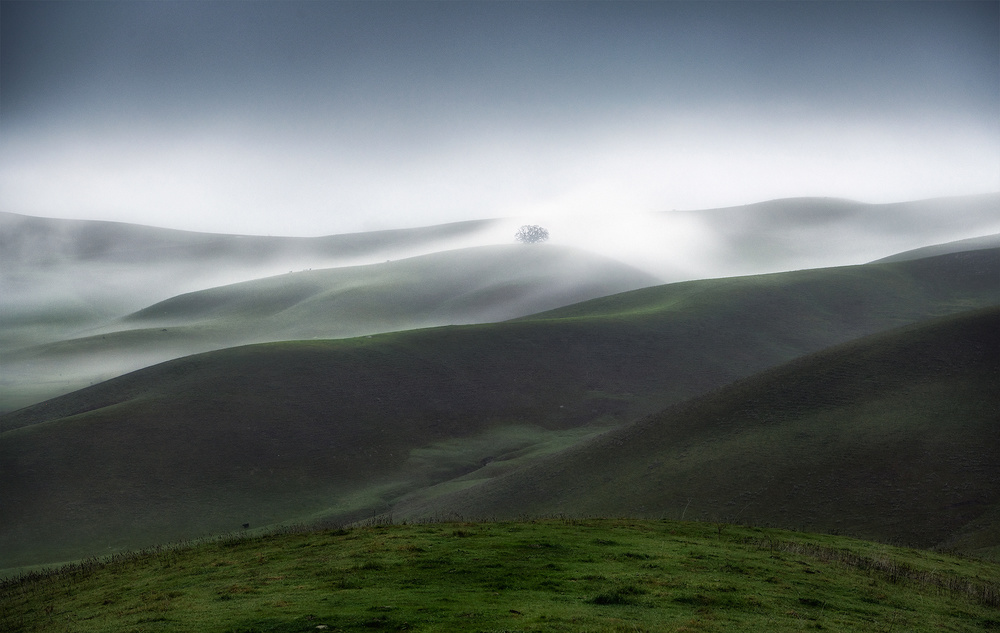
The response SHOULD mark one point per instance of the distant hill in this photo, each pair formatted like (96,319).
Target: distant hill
(340,429)
(28,241)
(473,285)
(73,272)
(796,233)
(894,437)
(958,246)
(65,284)
(62,276)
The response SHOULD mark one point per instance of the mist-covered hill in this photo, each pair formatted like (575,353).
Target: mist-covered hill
(92,269)
(472,285)
(970,244)
(28,241)
(338,429)
(68,287)
(797,233)
(72,274)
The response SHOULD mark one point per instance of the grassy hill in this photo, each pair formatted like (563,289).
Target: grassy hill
(894,437)
(340,429)
(461,286)
(556,575)
(61,276)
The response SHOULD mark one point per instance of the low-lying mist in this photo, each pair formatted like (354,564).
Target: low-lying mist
(774,236)
(86,301)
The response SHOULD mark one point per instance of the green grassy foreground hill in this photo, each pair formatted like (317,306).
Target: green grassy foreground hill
(341,429)
(554,575)
(894,437)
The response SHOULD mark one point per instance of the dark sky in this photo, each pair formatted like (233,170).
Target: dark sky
(310,118)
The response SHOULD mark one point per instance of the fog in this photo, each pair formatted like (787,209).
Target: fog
(651,133)
(319,118)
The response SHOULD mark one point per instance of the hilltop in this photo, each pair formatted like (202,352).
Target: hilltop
(554,575)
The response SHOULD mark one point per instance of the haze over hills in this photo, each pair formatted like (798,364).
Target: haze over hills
(338,429)
(64,282)
(970,244)
(108,269)
(703,338)
(77,273)
(817,232)
(473,285)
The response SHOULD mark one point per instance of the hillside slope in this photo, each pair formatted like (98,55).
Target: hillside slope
(539,576)
(472,285)
(892,437)
(970,244)
(60,276)
(343,428)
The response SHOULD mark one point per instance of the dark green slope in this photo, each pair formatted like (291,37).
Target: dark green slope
(892,437)
(343,428)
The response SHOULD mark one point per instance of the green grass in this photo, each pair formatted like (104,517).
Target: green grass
(552,575)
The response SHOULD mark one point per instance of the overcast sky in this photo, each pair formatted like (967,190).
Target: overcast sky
(310,118)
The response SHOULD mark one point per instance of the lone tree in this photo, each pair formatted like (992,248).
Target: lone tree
(531,234)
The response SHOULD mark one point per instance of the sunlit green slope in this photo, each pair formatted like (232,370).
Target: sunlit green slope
(555,575)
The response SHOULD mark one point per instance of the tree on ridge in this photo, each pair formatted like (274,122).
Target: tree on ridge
(531,234)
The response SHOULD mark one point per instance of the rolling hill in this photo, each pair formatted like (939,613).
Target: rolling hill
(63,282)
(339,429)
(61,276)
(472,285)
(894,437)
(970,244)
(811,232)
(539,575)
